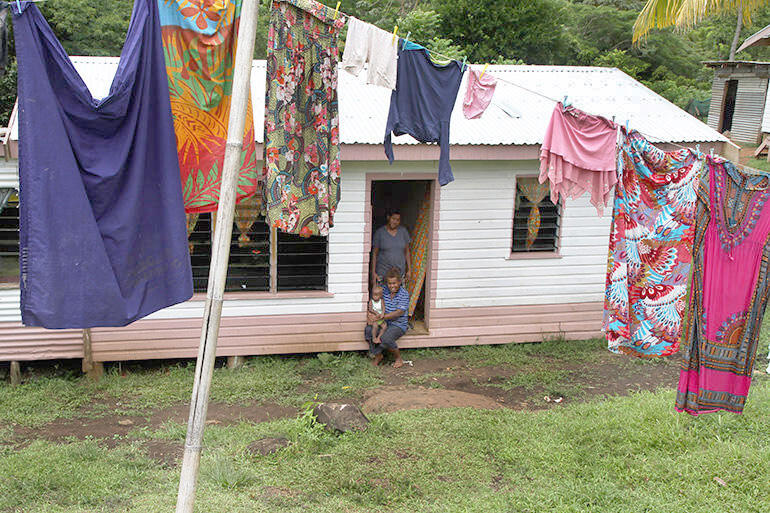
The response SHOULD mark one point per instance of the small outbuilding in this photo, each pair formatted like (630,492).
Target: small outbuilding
(739,100)
(488,280)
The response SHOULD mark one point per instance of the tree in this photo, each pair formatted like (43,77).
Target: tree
(89,27)
(487,30)
(685,14)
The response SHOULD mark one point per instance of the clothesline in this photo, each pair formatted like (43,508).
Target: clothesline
(446,57)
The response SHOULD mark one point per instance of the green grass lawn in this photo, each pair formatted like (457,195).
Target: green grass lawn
(761,164)
(629,454)
(616,454)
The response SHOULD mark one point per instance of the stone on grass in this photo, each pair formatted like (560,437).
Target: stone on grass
(266,446)
(340,417)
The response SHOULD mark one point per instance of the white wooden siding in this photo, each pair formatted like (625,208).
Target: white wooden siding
(9,305)
(474,268)
(9,174)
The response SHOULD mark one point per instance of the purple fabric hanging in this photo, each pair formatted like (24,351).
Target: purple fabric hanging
(102,225)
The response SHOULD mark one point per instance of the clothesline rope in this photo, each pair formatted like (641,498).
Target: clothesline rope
(438,54)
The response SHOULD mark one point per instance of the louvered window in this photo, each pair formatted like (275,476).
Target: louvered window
(9,237)
(536,219)
(300,262)
(249,264)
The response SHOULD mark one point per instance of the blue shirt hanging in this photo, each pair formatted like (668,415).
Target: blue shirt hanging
(102,226)
(422,103)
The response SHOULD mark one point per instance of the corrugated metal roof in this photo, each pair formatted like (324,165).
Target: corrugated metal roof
(516,116)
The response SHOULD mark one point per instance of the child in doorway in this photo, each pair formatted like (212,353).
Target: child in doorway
(377,307)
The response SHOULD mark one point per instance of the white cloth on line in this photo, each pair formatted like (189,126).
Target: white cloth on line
(367,43)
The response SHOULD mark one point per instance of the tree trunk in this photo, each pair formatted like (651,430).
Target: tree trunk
(737,36)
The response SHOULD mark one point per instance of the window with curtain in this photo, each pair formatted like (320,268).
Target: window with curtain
(536,218)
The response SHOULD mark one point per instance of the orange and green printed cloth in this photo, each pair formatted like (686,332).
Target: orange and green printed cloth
(199,41)
(418,249)
(302,134)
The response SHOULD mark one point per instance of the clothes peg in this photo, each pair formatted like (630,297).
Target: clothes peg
(626,126)
(395,33)
(336,10)
(564,102)
(463,68)
(484,70)
(711,152)
(18,6)
(406,40)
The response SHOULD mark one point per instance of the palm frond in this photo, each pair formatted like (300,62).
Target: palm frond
(684,14)
(693,11)
(656,14)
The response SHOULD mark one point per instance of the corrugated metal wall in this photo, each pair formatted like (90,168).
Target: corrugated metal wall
(717,96)
(766,116)
(749,106)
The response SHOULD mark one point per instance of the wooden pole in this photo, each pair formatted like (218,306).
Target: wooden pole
(220,254)
(94,370)
(15,373)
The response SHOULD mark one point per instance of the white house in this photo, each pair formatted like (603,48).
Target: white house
(293,295)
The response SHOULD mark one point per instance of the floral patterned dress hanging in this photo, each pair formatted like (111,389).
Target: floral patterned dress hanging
(302,161)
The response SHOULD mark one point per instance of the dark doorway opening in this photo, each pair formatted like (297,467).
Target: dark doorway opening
(728,107)
(413,198)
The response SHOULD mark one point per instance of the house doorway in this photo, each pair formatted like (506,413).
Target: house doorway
(728,108)
(414,200)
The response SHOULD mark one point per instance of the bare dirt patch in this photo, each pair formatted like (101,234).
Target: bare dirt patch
(609,375)
(220,413)
(109,429)
(168,454)
(428,383)
(390,399)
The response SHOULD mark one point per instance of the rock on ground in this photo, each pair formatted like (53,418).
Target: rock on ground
(340,417)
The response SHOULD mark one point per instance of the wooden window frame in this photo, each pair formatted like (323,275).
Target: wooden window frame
(534,255)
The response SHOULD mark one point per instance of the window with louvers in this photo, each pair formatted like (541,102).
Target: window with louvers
(302,262)
(249,264)
(9,238)
(546,239)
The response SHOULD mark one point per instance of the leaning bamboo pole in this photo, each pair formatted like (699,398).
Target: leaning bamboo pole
(220,254)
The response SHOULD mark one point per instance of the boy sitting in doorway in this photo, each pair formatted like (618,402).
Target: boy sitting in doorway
(396,303)
(377,308)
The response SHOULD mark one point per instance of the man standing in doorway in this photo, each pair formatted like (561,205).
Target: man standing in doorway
(396,300)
